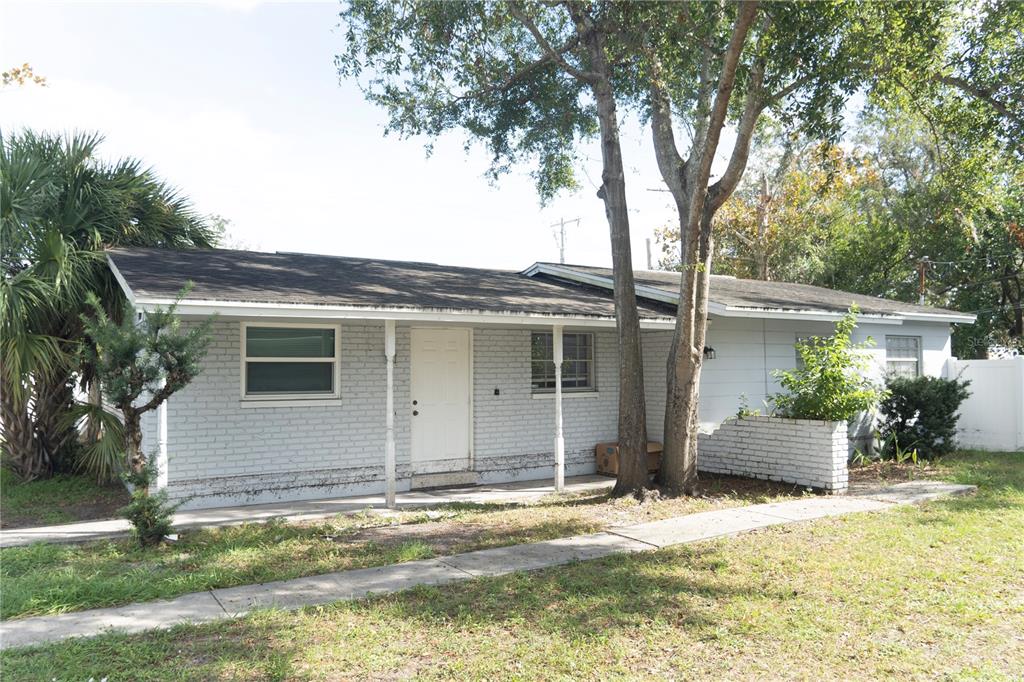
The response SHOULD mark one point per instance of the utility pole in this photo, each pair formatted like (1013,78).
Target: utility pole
(922,268)
(649,265)
(560,236)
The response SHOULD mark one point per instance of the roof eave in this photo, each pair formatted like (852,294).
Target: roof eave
(256,309)
(663,296)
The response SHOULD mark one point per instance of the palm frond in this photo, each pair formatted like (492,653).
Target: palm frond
(104,457)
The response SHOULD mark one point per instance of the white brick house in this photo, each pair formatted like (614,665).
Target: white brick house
(308,351)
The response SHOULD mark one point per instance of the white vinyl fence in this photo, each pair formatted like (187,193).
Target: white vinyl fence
(993,417)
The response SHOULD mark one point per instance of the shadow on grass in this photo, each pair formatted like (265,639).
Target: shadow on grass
(710,486)
(579,603)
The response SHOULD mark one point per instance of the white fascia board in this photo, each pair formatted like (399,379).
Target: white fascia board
(735,311)
(804,315)
(963,318)
(121,281)
(205,308)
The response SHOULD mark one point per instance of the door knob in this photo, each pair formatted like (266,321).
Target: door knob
(415,412)
(415,402)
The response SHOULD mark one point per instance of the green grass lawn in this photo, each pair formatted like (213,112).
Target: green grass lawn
(46,578)
(922,592)
(65,498)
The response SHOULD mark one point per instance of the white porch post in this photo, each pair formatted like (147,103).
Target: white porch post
(161,445)
(559,440)
(389,420)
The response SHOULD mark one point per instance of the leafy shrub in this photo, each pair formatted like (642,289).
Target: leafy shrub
(148,512)
(921,413)
(834,383)
(745,410)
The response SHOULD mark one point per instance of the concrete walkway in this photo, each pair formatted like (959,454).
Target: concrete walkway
(229,602)
(505,493)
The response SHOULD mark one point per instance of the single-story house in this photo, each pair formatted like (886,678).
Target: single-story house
(331,376)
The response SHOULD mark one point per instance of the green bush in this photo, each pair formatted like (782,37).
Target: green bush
(834,382)
(921,414)
(149,512)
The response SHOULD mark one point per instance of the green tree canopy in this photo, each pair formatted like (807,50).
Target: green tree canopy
(61,205)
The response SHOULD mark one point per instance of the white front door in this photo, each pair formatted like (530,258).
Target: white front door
(440,400)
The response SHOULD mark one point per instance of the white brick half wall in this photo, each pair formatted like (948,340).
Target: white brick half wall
(804,452)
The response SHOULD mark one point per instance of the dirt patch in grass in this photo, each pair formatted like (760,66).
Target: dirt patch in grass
(443,537)
(64,498)
(883,473)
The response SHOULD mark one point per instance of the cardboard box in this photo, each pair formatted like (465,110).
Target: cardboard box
(608,458)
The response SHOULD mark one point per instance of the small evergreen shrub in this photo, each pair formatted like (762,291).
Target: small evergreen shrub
(834,383)
(920,413)
(148,512)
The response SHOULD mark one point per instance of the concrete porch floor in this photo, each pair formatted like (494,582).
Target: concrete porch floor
(500,493)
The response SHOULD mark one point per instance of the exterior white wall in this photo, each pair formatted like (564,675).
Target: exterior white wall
(221,451)
(514,431)
(992,418)
(747,350)
(800,451)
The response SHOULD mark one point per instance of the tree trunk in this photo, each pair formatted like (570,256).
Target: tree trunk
(633,476)
(688,183)
(92,427)
(20,449)
(53,398)
(686,358)
(134,457)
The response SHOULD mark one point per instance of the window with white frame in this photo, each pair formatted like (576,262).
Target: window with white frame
(903,356)
(290,361)
(577,362)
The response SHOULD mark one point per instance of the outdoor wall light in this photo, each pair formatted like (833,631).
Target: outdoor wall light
(709,353)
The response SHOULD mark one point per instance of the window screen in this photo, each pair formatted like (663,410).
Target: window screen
(577,362)
(903,356)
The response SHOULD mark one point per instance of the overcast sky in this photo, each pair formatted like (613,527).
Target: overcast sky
(238,104)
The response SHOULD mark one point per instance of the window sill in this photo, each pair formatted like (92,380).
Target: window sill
(255,403)
(567,394)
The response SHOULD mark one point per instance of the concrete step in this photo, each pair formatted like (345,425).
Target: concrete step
(447,479)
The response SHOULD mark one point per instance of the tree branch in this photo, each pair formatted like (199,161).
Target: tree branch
(754,105)
(588,77)
(747,12)
(978,92)
(510,80)
(670,163)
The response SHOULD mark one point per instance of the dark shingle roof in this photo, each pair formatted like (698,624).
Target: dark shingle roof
(299,278)
(758,294)
(292,278)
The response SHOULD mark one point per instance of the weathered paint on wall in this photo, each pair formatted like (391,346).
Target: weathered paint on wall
(221,452)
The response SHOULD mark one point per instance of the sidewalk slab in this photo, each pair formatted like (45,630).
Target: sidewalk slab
(198,607)
(809,508)
(914,492)
(332,587)
(694,527)
(537,555)
(511,493)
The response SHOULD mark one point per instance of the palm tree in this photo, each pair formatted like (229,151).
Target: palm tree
(60,207)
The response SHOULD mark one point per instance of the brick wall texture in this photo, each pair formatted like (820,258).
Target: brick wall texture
(805,452)
(222,450)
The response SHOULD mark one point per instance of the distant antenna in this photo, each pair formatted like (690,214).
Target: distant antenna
(649,266)
(560,236)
